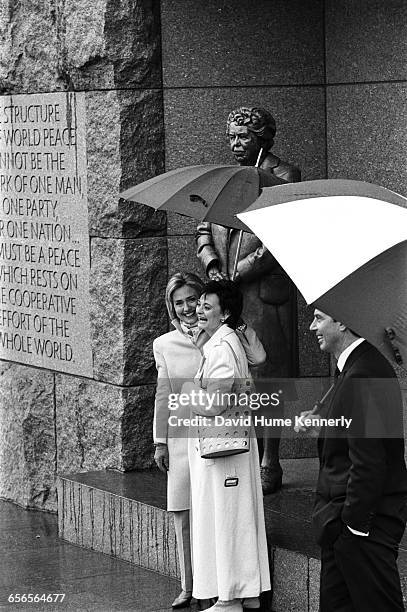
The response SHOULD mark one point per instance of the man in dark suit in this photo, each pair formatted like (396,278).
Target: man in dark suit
(360,508)
(269,299)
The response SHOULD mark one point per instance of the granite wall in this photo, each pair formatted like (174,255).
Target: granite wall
(366,102)
(159,80)
(52,422)
(332,73)
(226,55)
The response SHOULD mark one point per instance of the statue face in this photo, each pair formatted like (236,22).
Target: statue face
(244,144)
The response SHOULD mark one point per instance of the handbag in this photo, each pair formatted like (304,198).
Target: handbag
(223,440)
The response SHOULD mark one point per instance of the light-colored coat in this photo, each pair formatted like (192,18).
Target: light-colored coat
(230,558)
(177,359)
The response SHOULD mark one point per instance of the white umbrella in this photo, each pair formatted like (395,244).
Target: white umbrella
(344,244)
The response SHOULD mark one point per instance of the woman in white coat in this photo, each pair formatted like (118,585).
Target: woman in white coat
(177,355)
(230,557)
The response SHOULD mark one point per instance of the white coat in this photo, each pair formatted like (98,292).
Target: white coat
(177,359)
(229,548)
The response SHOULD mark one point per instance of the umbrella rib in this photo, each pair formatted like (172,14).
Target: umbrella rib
(192,190)
(226,184)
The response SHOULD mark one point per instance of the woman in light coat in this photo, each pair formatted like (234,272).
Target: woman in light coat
(230,557)
(177,355)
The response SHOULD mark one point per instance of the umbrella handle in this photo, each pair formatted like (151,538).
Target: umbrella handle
(259,158)
(318,405)
(239,244)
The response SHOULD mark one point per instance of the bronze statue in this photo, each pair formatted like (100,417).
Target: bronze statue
(269,297)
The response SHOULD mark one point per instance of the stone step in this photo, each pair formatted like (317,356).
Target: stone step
(123,515)
(119,514)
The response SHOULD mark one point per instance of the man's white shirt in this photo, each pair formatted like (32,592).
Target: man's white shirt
(345,354)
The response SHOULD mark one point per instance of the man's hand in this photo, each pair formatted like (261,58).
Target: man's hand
(161,457)
(303,427)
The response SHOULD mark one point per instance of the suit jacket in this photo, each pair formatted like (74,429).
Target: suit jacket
(264,284)
(362,479)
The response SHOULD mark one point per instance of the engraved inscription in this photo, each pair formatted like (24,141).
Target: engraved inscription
(44,239)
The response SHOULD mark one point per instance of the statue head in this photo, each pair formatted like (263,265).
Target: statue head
(249,129)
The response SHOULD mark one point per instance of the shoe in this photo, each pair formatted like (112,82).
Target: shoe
(271,479)
(251,603)
(204,603)
(182,601)
(226,606)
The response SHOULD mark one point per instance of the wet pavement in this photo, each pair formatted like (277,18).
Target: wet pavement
(35,561)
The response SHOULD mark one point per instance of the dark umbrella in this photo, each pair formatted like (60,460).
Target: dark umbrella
(213,193)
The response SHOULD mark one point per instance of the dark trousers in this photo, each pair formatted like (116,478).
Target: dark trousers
(360,574)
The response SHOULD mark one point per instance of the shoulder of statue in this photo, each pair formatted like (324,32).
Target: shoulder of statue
(281,168)
(270,162)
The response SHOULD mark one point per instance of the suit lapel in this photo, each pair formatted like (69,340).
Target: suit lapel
(326,414)
(352,358)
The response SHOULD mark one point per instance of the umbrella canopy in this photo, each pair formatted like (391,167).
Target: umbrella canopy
(344,244)
(210,192)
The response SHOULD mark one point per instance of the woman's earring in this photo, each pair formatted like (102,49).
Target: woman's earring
(222,320)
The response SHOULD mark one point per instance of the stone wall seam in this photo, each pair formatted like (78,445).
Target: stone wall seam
(351,84)
(273,85)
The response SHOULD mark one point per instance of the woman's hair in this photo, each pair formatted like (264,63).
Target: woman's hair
(176,282)
(230,299)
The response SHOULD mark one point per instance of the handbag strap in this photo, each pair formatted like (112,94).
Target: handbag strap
(200,371)
(232,349)
(243,387)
